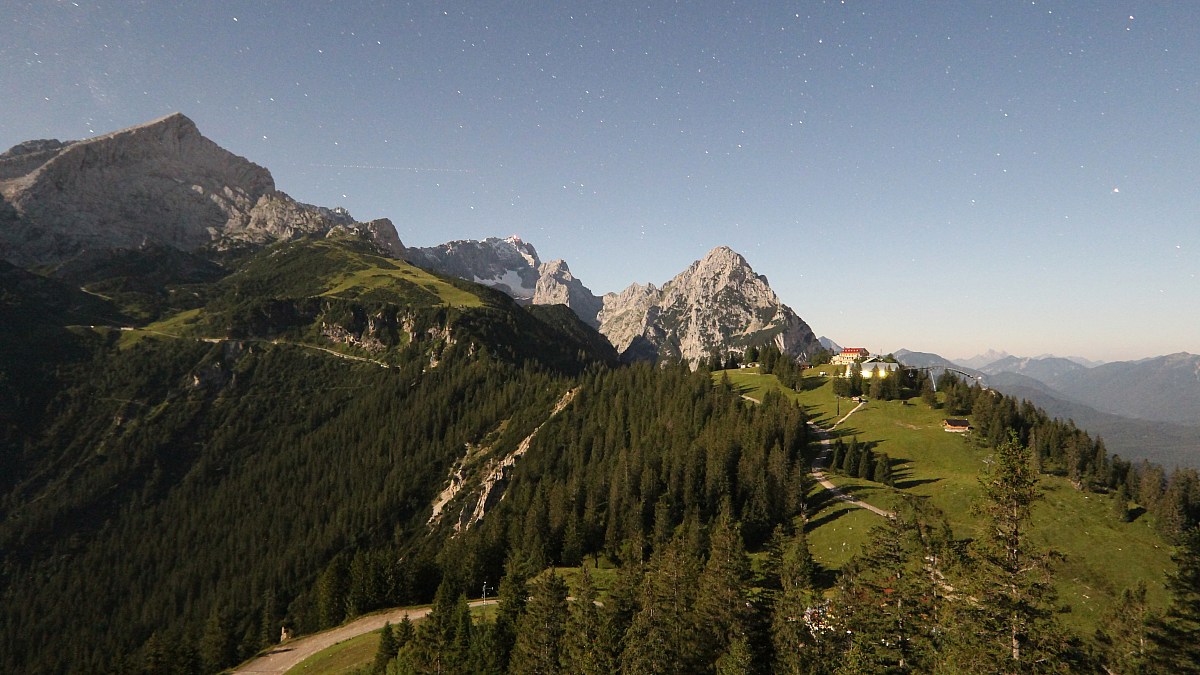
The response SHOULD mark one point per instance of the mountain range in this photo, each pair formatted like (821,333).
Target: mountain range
(163,183)
(717,304)
(1145,409)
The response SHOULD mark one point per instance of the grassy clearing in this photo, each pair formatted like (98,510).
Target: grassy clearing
(172,326)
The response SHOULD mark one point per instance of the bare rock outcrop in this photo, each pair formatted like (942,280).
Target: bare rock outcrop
(717,303)
(557,286)
(161,181)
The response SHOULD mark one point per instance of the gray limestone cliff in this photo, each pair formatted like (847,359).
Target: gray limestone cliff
(717,303)
(557,286)
(162,182)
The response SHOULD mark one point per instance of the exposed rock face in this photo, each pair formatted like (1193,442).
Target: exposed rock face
(508,264)
(161,181)
(716,303)
(557,286)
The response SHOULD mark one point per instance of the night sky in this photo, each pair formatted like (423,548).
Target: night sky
(941,177)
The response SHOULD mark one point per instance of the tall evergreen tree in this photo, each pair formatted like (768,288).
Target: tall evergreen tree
(1010,625)
(387,650)
(217,648)
(1124,635)
(792,630)
(540,631)
(1175,645)
(721,606)
(585,650)
(662,637)
(514,592)
(885,601)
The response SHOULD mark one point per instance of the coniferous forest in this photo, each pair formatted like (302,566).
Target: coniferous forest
(188,471)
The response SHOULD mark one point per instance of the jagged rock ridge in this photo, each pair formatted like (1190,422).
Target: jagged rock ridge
(718,303)
(162,182)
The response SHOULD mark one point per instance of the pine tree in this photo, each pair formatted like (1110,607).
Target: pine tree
(662,635)
(1175,646)
(721,608)
(1123,636)
(540,630)
(217,648)
(511,605)
(738,659)
(883,470)
(585,651)
(1120,504)
(331,593)
(1011,625)
(884,602)
(928,393)
(866,465)
(387,650)
(268,630)
(795,645)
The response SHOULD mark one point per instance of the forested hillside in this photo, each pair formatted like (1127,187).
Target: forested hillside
(259,444)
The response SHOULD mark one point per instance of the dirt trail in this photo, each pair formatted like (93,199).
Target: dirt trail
(822,460)
(288,655)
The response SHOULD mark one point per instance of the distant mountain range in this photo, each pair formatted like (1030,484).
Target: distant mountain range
(163,184)
(1143,409)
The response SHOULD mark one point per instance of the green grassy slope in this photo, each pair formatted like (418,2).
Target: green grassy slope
(1103,556)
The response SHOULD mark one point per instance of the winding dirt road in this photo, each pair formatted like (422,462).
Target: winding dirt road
(822,461)
(289,654)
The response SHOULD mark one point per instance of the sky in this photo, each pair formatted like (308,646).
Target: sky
(937,176)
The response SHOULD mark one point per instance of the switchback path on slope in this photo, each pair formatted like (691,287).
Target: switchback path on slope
(218,340)
(822,460)
(288,655)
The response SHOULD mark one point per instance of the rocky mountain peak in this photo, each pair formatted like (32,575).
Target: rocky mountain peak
(717,303)
(161,181)
(509,264)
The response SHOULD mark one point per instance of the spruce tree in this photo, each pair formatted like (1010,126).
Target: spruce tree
(884,601)
(795,647)
(1120,504)
(1175,645)
(721,608)
(883,470)
(866,465)
(662,636)
(217,648)
(585,650)
(1010,625)
(540,630)
(513,594)
(928,393)
(387,649)
(1124,634)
